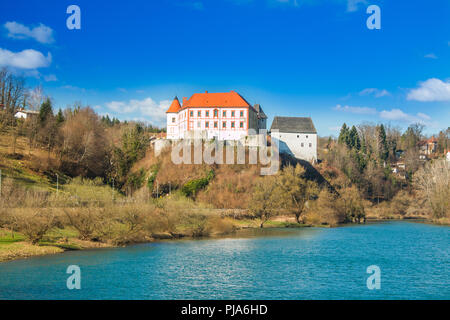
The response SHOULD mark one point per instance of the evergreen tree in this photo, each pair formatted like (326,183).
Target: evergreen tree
(60,117)
(46,111)
(383,151)
(343,135)
(353,139)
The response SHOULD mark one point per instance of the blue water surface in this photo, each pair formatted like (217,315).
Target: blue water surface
(304,263)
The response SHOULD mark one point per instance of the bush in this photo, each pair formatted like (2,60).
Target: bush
(87,221)
(191,188)
(33,223)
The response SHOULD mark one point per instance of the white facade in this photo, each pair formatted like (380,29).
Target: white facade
(300,145)
(20,115)
(218,123)
(220,116)
(24,114)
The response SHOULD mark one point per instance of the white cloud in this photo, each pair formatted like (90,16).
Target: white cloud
(352,5)
(374,91)
(41,33)
(336,128)
(147,109)
(50,78)
(357,110)
(431,56)
(431,90)
(399,115)
(26,59)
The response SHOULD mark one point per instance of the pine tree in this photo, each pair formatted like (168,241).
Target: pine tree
(353,139)
(383,151)
(343,135)
(46,111)
(60,117)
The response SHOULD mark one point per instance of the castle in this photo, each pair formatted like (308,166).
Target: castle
(220,116)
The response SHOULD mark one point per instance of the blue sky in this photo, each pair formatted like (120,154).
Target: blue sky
(295,58)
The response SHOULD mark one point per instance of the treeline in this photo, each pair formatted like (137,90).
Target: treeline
(78,142)
(366,154)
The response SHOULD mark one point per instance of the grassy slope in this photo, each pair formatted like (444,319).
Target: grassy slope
(22,166)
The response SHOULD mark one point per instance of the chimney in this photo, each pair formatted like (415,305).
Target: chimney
(184,100)
(206,91)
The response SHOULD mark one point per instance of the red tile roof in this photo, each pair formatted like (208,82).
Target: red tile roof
(219,99)
(175,106)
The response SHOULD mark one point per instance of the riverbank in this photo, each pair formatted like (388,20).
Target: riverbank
(14,245)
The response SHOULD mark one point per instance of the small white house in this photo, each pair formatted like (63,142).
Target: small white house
(25,114)
(296,136)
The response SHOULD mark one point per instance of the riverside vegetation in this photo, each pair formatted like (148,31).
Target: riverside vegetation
(72,180)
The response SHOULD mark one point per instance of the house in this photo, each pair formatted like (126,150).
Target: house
(26,114)
(220,116)
(428,147)
(296,136)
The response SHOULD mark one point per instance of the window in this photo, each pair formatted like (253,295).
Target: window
(224,114)
(241,124)
(192,113)
(298,136)
(206,123)
(216,112)
(215,124)
(242,113)
(207,113)
(310,145)
(232,113)
(224,124)
(199,124)
(303,144)
(232,124)
(173,120)
(199,113)
(306,137)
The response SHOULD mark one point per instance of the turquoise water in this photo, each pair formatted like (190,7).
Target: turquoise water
(307,263)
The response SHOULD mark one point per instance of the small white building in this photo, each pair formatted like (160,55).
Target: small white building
(25,114)
(296,136)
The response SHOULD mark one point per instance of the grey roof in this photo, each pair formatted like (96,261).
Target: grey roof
(293,124)
(260,111)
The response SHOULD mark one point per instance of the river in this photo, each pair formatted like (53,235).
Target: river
(289,263)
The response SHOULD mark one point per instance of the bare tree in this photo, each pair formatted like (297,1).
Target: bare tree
(12,90)
(434,181)
(84,142)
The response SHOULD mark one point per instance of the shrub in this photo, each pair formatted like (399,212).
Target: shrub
(191,188)
(33,223)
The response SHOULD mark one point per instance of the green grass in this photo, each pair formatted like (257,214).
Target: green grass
(7,237)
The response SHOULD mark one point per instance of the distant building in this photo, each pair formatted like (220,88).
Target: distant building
(428,147)
(26,114)
(220,116)
(296,136)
